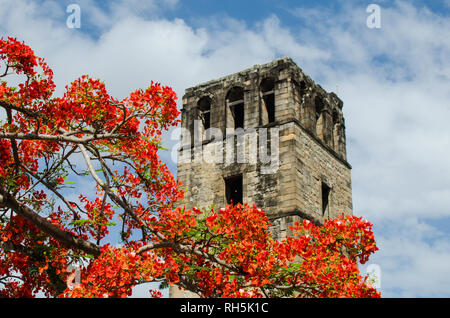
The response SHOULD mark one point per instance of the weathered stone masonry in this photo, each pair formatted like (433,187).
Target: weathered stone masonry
(313,178)
(312,149)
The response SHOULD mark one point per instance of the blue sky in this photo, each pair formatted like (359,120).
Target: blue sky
(394,82)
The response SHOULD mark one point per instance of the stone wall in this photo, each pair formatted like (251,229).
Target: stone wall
(308,175)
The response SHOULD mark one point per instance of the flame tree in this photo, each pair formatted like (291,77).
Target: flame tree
(44,232)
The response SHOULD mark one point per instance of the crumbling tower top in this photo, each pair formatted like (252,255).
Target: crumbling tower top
(317,111)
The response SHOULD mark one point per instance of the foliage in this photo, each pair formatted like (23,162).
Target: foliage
(45,228)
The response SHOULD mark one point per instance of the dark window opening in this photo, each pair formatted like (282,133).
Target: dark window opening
(206,120)
(235,101)
(269,101)
(238,115)
(204,105)
(335,117)
(302,88)
(318,103)
(233,190)
(299,89)
(325,197)
(268,93)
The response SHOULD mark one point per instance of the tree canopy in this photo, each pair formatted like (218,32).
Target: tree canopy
(132,230)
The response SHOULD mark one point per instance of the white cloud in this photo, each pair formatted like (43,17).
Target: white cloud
(395,86)
(283,42)
(414,260)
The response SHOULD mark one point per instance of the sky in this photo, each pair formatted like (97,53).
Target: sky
(394,80)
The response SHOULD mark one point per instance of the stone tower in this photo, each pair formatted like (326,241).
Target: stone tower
(267,135)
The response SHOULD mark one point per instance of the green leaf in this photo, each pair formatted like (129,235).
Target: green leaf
(81,222)
(163,285)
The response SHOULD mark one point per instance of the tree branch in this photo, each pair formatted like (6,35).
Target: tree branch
(189,250)
(13,142)
(61,138)
(107,189)
(64,237)
(51,188)
(22,110)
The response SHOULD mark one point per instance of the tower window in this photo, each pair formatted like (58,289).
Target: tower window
(325,197)
(268,96)
(204,105)
(269,101)
(299,89)
(235,102)
(302,88)
(238,114)
(318,103)
(335,117)
(233,189)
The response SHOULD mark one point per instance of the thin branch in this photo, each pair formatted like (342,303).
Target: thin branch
(118,126)
(47,227)
(71,166)
(8,106)
(13,142)
(153,246)
(9,246)
(6,71)
(51,188)
(53,167)
(192,250)
(99,227)
(61,138)
(107,189)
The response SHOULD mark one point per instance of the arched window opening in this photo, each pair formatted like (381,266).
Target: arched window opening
(335,117)
(268,97)
(235,102)
(302,88)
(319,105)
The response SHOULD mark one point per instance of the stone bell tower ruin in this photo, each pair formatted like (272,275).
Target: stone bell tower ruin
(267,135)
